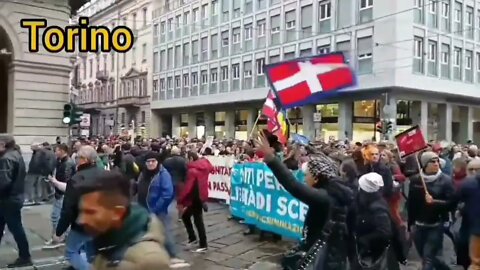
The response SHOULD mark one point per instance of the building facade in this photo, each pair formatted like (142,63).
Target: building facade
(114,88)
(421,58)
(33,86)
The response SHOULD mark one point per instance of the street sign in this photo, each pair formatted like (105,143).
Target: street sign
(85,120)
(317,117)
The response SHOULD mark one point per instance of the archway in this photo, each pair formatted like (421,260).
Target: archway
(6,56)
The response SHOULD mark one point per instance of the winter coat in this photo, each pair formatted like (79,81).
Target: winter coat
(71,200)
(12,177)
(469,193)
(196,185)
(321,203)
(177,167)
(160,192)
(419,211)
(138,245)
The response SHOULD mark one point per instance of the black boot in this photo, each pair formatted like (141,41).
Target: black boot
(20,262)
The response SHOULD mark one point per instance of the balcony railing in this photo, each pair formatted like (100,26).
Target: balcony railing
(132,101)
(102,75)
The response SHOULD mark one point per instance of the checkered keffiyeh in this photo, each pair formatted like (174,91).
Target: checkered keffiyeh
(321,165)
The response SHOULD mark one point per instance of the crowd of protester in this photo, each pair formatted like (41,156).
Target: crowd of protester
(112,200)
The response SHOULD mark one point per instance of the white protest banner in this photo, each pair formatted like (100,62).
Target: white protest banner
(219,180)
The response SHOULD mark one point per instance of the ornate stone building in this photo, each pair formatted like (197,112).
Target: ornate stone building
(33,86)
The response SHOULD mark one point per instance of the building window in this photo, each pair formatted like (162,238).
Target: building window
(204,74)
(445,61)
(236,71)
(365,50)
(248,32)
(261,24)
(306,21)
(275,30)
(432,58)
(247,69)
(325,10)
(143,118)
(418,55)
(432,51)
(469,22)
(468,60)
(213,75)
(260,63)
(214,46)
(225,73)
(445,10)
(186,80)
(457,62)
(364,4)
(323,49)
(177,82)
(290,20)
(194,78)
(236,35)
(144,52)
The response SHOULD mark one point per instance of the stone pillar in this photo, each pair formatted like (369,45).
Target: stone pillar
(209,118)
(308,124)
(192,125)
(252,117)
(230,124)
(155,125)
(444,122)
(466,124)
(419,115)
(345,118)
(176,125)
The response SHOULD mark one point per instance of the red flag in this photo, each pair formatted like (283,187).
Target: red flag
(303,81)
(276,119)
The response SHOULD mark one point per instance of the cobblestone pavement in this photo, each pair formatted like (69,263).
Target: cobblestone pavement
(228,247)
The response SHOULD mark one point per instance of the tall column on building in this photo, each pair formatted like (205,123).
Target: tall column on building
(252,117)
(156,125)
(345,118)
(192,125)
(209,118)
(419,115)
(230,124)
(466,124)
(308,124)
(176,125)
(444,122)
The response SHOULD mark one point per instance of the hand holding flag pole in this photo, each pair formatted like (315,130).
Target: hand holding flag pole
(410,142)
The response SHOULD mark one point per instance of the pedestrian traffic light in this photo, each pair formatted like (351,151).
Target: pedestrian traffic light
(67,113)
(389,128)
(71,114)
(77,115)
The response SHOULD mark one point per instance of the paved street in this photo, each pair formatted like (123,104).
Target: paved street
(229,249)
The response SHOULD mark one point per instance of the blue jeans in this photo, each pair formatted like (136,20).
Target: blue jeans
(169,238)
(56,211)
(75,244)
(429,244)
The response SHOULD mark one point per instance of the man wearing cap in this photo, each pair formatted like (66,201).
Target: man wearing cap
(428,210)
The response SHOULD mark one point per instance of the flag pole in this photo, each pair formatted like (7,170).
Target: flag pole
(254,126)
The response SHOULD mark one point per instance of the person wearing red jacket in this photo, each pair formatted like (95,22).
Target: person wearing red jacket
(193,199)
(395,200)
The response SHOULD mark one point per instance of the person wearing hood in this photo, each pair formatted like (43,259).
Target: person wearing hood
(429,209)
(155,192)
(193,198)
(328,201)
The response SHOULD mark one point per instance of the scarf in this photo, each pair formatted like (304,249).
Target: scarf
(430,178)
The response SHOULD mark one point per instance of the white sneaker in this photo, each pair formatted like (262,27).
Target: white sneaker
(200,250)
(50,244)
(178,263)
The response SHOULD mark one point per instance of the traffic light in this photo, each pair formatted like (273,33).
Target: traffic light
(379,127)
(389,127)
(67,113)
(71,114)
